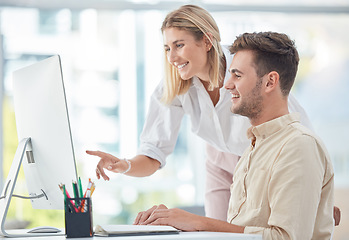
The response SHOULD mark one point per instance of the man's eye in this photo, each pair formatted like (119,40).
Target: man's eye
(167,49)
(180,45)
(237,76)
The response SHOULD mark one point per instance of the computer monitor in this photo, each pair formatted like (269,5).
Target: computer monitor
(45,147)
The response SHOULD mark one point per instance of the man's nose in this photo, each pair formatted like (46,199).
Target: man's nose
(229,84)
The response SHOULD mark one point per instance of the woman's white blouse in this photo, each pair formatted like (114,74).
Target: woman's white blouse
(217,125)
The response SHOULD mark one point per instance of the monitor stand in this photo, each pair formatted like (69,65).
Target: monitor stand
(7,192)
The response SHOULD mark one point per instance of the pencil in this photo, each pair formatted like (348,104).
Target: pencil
(66,195)
(76,193)
(80,189)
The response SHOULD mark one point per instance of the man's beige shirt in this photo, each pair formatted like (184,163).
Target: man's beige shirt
(283,183)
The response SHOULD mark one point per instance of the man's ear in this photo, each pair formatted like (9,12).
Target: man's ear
(272,81)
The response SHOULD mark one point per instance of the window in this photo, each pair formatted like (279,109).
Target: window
(112,60)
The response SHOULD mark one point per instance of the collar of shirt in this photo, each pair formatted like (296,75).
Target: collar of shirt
(266,129)
(196,82)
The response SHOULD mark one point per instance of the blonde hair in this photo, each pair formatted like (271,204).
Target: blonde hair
(199,22)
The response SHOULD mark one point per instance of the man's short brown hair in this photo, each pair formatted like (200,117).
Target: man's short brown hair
(272,52)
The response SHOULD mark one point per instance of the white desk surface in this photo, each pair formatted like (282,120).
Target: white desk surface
(181,235)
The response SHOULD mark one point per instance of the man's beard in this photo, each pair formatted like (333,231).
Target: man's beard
(251,105)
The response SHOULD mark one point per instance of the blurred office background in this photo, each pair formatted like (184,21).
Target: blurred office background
(112,59)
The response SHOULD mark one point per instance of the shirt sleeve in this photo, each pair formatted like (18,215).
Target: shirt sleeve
(161,127)
(295,191)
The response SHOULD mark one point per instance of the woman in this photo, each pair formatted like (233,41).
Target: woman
(196,69)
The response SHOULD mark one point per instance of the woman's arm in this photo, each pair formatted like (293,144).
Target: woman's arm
(157,141)
(139,166)
(142,166)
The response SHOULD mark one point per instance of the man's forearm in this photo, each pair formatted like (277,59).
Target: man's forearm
(214,225)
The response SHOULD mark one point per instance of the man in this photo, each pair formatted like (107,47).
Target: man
(283,183)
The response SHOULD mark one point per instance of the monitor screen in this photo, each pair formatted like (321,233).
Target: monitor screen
(41,114)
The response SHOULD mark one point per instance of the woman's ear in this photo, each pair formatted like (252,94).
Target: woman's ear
(272,81)
(208,41)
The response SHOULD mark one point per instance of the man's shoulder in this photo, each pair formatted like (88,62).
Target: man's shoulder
(302,137)
(304,147)
(299,131)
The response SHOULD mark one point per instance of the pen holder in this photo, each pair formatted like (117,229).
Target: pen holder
(78,217)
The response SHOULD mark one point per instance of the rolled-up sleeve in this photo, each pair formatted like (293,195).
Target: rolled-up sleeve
(161,127)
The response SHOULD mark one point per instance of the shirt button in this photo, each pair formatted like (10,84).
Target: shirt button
(245,170)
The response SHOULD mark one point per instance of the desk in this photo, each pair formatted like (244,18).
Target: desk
(181,236)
